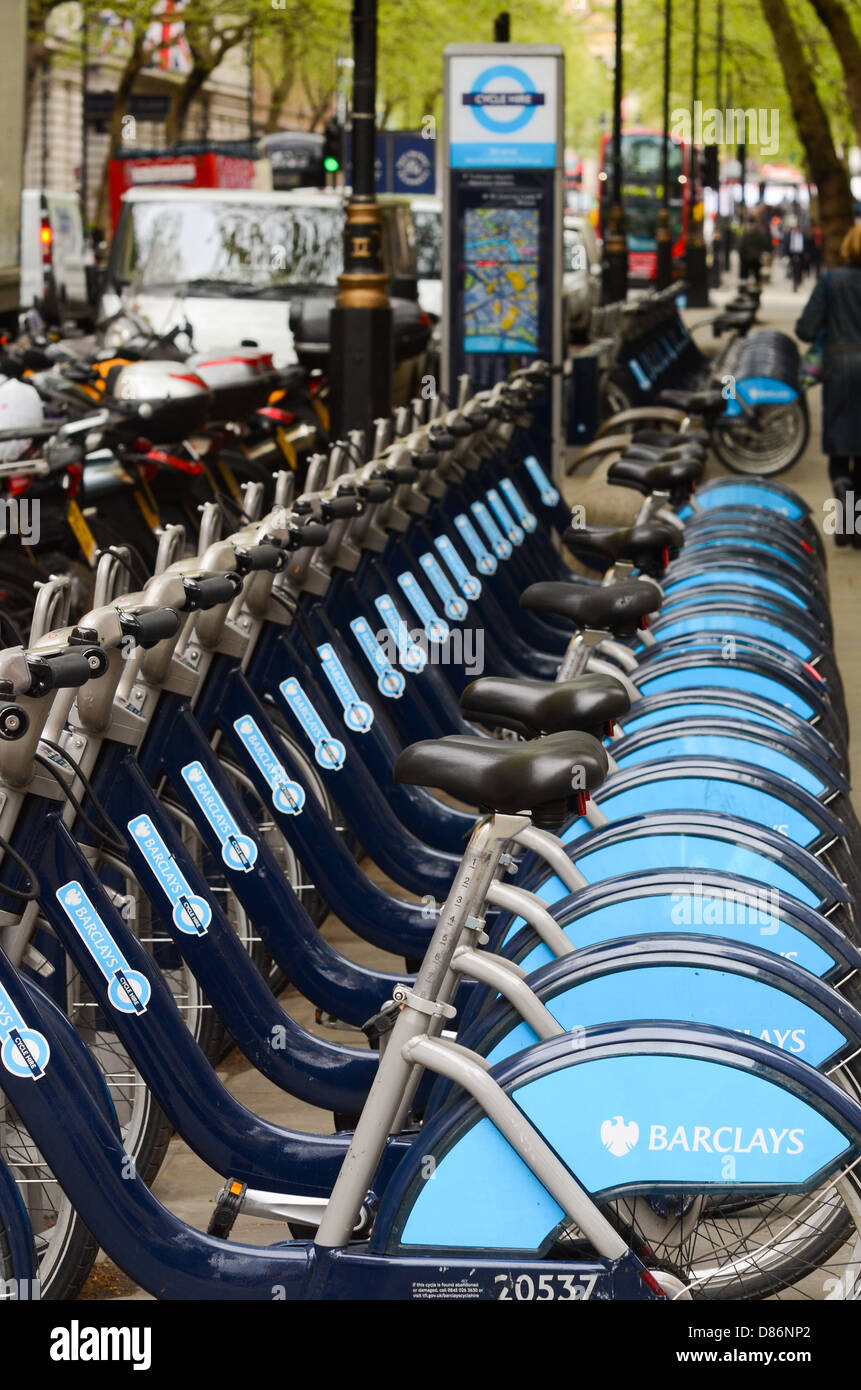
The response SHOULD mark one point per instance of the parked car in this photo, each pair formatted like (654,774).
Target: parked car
(257,268)
(427,220)
(54,255)
(581,278)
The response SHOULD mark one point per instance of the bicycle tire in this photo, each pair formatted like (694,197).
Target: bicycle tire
(755,463)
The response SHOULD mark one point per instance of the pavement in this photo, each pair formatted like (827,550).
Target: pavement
(187,1186)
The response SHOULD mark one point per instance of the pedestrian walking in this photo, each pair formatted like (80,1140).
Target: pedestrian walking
(751,244)
(832,320)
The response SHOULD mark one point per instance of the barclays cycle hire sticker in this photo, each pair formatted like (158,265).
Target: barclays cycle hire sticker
(287,795)
(501,547)
(517,505)
(329,752)
(469,586)
(237,850)
(128,990)
(190,913)
(23,1051)
(485,563)
(504,517)
(358,715)
(436,630)
(390,682)
(409,654)
(546,491)
(454,606)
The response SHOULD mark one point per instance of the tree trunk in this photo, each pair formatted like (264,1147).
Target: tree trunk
(128,77)
(836,20)
(182,100)
(836,205)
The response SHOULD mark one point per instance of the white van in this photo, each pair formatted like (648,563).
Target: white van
(54,255)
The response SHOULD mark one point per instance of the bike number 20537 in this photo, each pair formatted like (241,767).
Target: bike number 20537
(544,1287)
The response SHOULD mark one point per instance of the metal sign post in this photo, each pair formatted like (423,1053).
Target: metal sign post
(503,165)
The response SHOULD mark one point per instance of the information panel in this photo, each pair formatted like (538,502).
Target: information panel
(503,151)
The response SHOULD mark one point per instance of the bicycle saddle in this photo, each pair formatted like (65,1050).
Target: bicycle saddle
(649,545)
(705,403)
(616,608)
(588,704)
(669,439)
(544,777)
(676,476)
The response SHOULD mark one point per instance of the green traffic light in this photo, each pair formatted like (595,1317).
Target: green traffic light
(331,164)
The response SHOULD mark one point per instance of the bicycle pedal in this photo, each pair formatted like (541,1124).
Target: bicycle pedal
(228,1205)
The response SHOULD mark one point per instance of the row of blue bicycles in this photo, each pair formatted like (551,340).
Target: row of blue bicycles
(604,771)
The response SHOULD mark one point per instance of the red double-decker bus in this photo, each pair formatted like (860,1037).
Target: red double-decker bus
(642,190)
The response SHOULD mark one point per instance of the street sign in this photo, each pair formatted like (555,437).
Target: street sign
(503,161)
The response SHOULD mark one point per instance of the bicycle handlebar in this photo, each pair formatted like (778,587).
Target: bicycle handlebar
(149,627)
(208,591)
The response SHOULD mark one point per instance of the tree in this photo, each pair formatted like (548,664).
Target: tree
(211,31)
(829,173)
(836,20)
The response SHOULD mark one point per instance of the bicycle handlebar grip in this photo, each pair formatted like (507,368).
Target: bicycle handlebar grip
(377,491)
(265,556)
(211,590)
(150,628)
(66,671)
(423,459)
(479,419)
(441,440)
(312,534)
(339,507)
(403,473)
(461,428)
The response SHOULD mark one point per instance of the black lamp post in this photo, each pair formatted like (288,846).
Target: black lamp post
(717,242)
(664,237)
(360,325)
(695,270)
(614,267)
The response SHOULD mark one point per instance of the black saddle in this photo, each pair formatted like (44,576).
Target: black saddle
(648,545)
(616,608)
(676,476)
(587,704)
(670,439)
(707,404)
(545,779)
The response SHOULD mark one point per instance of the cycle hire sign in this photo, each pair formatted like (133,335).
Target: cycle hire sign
(503,156)
(502,112)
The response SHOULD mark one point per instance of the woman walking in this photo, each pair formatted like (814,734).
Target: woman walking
(833,316)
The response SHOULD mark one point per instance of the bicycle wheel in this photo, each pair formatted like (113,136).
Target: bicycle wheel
(773,448)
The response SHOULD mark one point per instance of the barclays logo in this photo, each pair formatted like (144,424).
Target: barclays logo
(618,1137)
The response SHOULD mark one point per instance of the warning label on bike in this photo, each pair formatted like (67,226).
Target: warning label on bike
(546,491)
(190,913)
(485,563)
(501,547)
(329,752)
(237,850)
(358,715)
(469,586)
(517,505)
(390,682)
(128,990)
(23,1051)
(287,795)
(435,629)
(514,532)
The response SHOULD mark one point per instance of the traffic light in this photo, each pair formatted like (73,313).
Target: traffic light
(333,142)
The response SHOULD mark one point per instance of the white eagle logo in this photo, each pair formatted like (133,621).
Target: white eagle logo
(619,1137)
